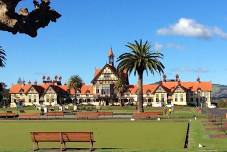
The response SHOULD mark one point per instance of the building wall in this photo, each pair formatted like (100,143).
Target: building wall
(50,99)
(34,98)
(179,98)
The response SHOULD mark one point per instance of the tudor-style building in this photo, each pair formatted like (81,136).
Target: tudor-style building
(105,79)
(101,89)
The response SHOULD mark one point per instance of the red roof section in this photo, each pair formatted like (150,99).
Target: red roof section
(193,86)
(169,86)
(86,89)
(149,88)
(97,72)
(18,87)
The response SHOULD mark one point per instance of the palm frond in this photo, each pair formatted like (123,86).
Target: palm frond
(2,57)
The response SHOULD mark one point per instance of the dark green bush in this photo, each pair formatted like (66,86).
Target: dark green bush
(222,103)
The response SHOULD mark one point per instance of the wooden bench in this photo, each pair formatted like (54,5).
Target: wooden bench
(55,114)
(87,115)
(29,116)
(7,115)
(103,113)
(62,138)
(146,115)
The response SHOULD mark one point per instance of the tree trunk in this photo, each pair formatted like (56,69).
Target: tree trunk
(25,21)
(140,92)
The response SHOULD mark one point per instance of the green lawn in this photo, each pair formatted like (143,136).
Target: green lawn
(199,135)
(113,135)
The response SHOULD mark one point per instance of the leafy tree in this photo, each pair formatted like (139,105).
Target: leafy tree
(120,87)
(2,57)
(25,21)
(75,82)
(4,93)
(141,58)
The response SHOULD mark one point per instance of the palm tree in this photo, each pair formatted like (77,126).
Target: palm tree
(76,83)
(140,59)
(2,57)
(120,87)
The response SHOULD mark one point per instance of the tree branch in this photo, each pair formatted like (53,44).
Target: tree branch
(25,21)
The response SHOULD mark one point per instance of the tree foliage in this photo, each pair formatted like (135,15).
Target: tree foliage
(75,82)
(24,21)
(140,58)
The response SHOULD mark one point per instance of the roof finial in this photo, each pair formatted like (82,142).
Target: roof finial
(177,77)
(110,53)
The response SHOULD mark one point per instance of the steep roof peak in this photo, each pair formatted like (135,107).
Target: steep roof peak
(110,52)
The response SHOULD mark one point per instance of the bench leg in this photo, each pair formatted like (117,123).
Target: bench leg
(62,146)
(91,149)
(35,146)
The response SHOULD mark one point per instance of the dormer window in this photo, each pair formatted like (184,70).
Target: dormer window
(148,92)
(87,93)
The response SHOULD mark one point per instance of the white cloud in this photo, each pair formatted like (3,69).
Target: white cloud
(159,46)
(191,28)
(196,70)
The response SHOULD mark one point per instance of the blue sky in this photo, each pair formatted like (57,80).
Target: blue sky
(192,35)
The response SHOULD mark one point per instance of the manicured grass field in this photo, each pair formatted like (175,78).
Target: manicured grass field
(199,135)
(121,135)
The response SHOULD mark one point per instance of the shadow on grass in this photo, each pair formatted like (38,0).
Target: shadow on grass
(76,149)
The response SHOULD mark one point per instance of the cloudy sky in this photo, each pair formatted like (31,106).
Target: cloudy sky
(192,35)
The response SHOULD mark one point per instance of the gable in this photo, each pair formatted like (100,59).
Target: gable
(160,89)
(107,73)
(32,90)
(179,89)
(50,90)
(21,90)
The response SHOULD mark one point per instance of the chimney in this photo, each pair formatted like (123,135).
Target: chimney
(164,78)
(198,79)
(29,82)
(35,83)
(60,78)
(56,78)
(177,77)
(48,78)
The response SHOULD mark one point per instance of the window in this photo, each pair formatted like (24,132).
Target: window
(105,90)
(176,96)
(47,98)
(35,100)
(157,97)
(97,90)
(162,96)
(52,98)
(106,75)
(181,98)
(29,98)
(191,99)
(15,100)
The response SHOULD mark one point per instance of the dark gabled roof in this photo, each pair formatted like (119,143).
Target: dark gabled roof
(57,90)
(113,69)
(179,85)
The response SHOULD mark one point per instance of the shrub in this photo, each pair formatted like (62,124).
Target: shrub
(222,103)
